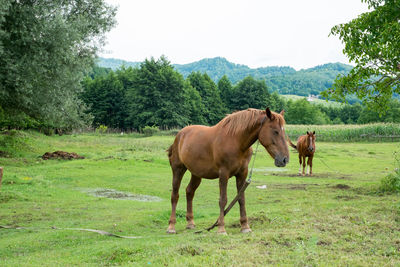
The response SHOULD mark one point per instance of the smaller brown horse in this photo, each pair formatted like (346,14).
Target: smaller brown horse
(306,148)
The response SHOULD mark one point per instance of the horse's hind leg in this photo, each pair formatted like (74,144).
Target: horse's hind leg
(240,180)
(300,164)
(177,171)
(190,190)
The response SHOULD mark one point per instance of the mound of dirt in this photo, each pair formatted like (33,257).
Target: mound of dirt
(61,155)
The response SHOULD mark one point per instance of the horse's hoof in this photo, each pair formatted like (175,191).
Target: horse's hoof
(171,231)
(222,233)
(190,226)
(246,230)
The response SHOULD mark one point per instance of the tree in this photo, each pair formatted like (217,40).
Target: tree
(225,89)
(372,41)
(302,112)
(157,96)
(214,107)
(276,102)
(45,49)
(105,95)
(250,93)
(349,114)
(392,114)
(194,104)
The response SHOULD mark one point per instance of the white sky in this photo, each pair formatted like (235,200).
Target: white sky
(256,33)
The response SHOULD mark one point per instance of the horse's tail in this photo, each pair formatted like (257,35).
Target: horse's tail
(291,144)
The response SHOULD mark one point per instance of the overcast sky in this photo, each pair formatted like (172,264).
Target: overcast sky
(256,33)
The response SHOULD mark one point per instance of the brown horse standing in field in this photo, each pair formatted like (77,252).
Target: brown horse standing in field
(306,148)
(223,151)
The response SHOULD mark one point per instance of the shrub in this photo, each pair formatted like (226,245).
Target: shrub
(150,130)
(102,129)
(12,141)
(47,131)
(391,183)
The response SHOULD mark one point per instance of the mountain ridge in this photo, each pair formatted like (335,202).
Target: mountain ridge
(283,79)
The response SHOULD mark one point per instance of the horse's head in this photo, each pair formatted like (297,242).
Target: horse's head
(311,141)
(272,137)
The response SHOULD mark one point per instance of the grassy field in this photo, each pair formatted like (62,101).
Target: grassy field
(334,218)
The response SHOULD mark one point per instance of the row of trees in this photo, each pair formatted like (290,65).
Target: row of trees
(303,112)
(156,94)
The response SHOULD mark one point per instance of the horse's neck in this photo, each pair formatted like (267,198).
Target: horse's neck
(249,136)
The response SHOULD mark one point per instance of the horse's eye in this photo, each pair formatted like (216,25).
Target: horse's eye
(276,132)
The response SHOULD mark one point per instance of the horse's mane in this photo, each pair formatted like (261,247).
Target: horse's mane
(240,121)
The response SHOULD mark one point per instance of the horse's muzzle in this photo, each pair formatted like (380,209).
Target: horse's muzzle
(281,161)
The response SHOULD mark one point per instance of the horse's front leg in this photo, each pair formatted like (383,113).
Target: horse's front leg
(223,199)
(309,162)
(240,180)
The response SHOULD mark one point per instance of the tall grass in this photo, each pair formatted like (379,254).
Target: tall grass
(377,132)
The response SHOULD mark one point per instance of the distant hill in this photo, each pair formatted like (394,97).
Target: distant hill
(113,63)
(285,80)
(218,67)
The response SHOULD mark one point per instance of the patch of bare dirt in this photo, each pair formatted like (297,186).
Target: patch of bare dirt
(341,186)
(114,194)
(259,219)
(346,198)
(293,186)
(61,155)
(323,243)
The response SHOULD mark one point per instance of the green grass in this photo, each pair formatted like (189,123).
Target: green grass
(335,218)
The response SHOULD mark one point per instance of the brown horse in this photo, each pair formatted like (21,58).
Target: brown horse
(223,151)
(306,148)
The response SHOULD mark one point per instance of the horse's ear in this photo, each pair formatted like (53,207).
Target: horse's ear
(269,114)
(282,112)
(313,132)
(307,132)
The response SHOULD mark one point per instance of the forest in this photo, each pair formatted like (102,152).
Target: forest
(156,94)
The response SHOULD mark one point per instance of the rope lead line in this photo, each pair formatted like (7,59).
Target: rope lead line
(241,191)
